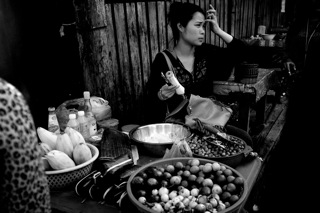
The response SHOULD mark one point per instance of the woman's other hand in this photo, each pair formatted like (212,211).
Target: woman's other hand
(167,91)
(290,67)
(212,19)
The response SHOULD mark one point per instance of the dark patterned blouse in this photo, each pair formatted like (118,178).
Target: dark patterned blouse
(211,63)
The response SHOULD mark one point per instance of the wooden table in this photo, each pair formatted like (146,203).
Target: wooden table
(252,95)
(67,201)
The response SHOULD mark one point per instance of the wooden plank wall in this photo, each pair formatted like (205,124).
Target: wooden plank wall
(117,50)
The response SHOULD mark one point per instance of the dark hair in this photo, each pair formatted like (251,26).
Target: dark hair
(181,13)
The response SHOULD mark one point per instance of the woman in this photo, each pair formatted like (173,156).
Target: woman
(303,39)
(24,186)
(196,64)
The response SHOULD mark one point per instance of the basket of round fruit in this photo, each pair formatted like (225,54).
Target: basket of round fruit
(186,185)
(66,156)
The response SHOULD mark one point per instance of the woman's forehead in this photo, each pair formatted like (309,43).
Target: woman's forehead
(198,17)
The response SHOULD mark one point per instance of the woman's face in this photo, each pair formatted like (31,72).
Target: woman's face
(193,33)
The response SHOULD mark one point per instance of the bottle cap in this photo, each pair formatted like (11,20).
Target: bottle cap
(80,113)
(72,116)
(51,109)
(86,95)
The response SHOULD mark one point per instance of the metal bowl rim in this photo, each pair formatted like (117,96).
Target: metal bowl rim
(157,144)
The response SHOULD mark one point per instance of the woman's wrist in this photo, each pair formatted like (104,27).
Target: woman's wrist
(224,36)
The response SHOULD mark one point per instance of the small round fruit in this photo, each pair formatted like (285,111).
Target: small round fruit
(201,173)
(193,204)
(141,193)
(137,181)
(227,172)
(225,195)
(230,178)
(179,165)
(216,166)
(167,175)
(221,179)
(194,169)
(170,168)
(207,182)
(142,200)
(180,172)
(207,168)
(164,183)
(152,182)
(234,198)
(175,180)
(216,189)
(205,190)
(186,173)
(192,178)
(203,199)
(200,208)
(195,162)
(155,198)
(231,187)
(194,192)
(165,198)
(143,175)
(154,192)
(199,180)
(239,181)
(185,183)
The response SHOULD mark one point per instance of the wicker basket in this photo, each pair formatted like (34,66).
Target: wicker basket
(60,179)
(247,73)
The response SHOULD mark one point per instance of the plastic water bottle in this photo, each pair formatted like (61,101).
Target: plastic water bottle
(53,124)
(73,122)
(92,123)
(83,123)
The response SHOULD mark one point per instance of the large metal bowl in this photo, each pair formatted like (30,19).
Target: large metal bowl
(154,139)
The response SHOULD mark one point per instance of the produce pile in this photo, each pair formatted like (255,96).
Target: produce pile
(65,150)
(211,146)
(190,187)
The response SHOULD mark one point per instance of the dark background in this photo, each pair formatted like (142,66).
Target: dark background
(35,58)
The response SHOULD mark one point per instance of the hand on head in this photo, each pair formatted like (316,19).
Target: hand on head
(212,18)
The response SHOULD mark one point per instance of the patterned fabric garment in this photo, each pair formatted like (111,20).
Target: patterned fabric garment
(24,186)
(210,63)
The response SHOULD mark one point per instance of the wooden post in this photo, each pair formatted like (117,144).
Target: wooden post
(95,53)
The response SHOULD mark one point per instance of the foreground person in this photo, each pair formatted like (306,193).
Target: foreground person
(24,186)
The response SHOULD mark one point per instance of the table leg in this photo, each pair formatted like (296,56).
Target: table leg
(244,112)
(261,109)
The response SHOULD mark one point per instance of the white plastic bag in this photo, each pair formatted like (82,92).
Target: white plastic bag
(179,149)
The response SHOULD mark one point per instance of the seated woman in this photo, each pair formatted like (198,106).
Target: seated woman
(196,64)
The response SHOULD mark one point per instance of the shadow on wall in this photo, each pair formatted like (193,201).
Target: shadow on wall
(35,58)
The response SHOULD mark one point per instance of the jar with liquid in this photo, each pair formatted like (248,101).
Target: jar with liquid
(53,124)
(92,123)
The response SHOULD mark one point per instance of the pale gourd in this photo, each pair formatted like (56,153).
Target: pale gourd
(47,137)
(64,144)
(59,160)
(81,153)
(45,148)
(75,136)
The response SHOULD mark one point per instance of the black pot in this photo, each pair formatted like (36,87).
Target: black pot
(234,160)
